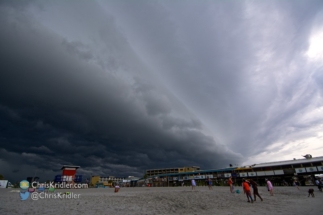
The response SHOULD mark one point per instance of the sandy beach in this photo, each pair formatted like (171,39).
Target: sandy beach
(166,200)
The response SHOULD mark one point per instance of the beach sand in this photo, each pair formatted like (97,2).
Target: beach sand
(166,200)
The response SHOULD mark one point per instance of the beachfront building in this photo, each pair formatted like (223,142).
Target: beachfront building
(129,181)
(280,173)
(184,178)
(151,172)
(286,171)
(105,180)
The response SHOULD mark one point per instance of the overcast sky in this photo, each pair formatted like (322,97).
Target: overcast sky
(119,87)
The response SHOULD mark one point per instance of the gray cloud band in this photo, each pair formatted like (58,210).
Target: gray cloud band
(177,90)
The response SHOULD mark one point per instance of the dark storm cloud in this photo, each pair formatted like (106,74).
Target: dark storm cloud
(240,66)
(118,87)
(62,103)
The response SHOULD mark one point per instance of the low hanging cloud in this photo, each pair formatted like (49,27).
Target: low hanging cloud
(66,107)
(118,87)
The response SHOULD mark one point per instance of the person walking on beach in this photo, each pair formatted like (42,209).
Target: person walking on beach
(193,184)
(270,187)
(230,182)
(255,189)
(209,183)
(295,183)
(116,188)
(246,189)
(318,184)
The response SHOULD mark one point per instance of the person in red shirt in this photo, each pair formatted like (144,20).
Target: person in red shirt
(230,182)
(246,189)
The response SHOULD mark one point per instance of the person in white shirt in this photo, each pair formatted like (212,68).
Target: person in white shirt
(116,188)
(193,184)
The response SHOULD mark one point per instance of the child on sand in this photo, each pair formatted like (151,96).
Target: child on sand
(116,188)
(311,192)
(246,189)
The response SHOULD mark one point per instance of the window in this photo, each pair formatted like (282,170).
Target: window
(276,167)
(287,166)
(307,164)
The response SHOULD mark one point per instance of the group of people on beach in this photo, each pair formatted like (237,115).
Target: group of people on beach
(246,184)
(246,188)
(208,181)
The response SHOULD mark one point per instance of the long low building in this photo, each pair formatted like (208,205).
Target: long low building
(109,180)
(280,173)
(151,172)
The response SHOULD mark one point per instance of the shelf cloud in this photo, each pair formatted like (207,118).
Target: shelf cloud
(119,87)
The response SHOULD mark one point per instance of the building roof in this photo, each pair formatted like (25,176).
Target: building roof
(218,170)
(244,168)
(174,168)
(195,172)
(288,162)
(268,164)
